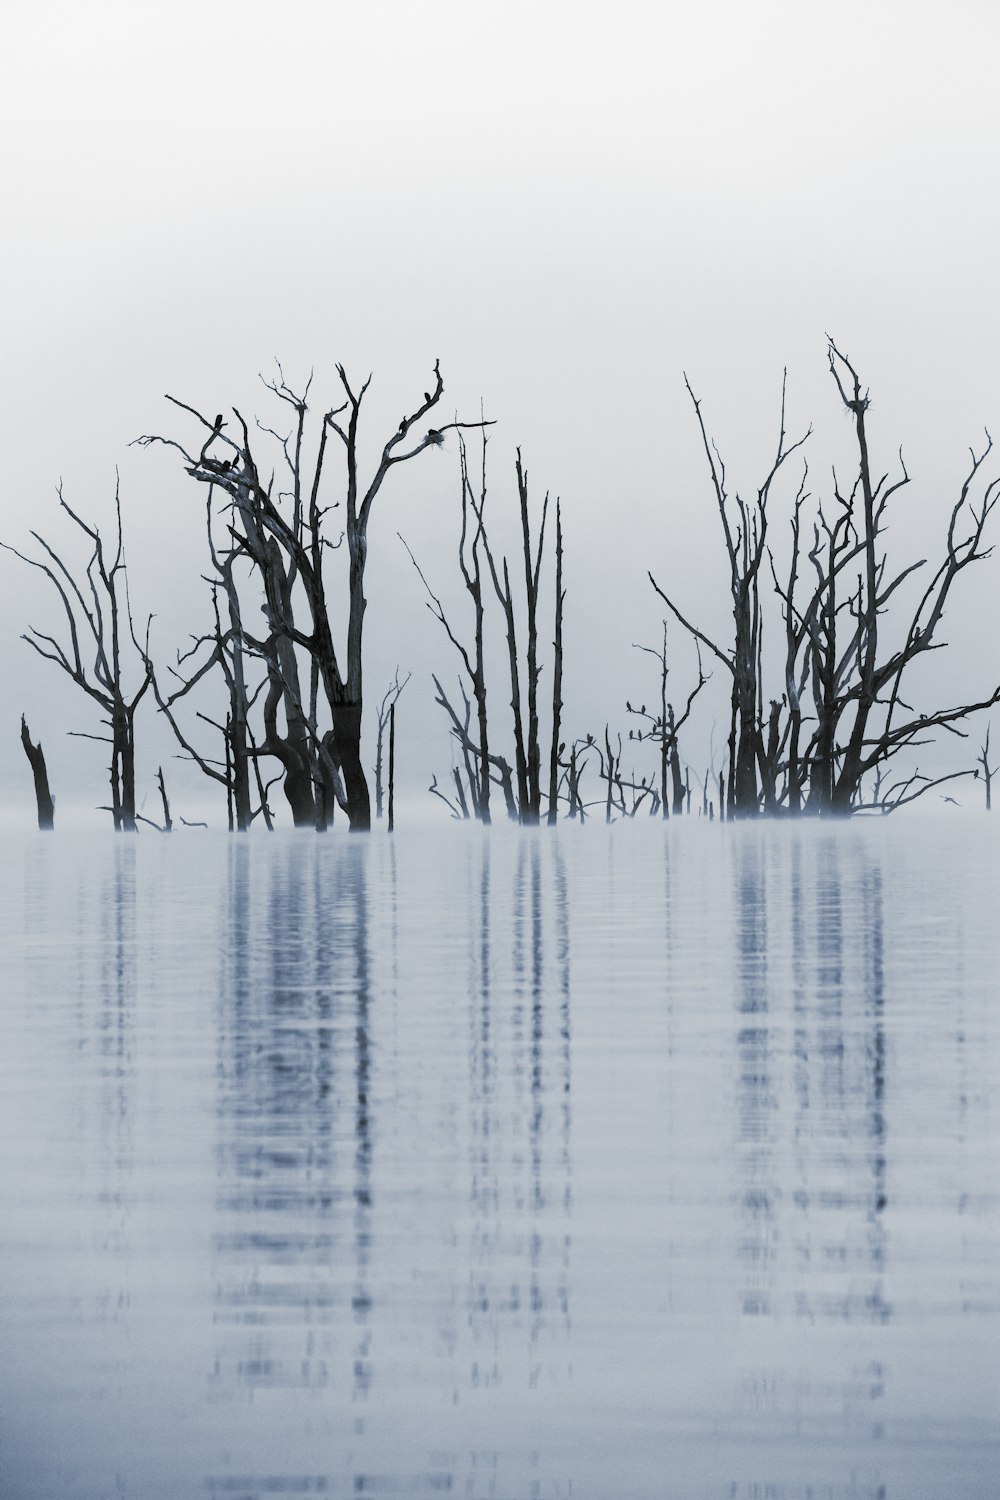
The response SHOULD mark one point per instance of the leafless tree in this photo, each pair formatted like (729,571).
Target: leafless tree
(98,627)
(471,543)
(385,714)
(873,722)
(284,533)
(482,765)
(983,760)
(226,651)
(824,743)
(744,528)
(664,728)
(44,800)
(571,774)
(460,729)
(557,672)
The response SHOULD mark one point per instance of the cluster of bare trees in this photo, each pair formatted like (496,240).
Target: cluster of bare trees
(818,661)
(289,691)
(92,652)
(484,572)
(848,634)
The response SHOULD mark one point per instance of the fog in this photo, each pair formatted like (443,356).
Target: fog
(568,211)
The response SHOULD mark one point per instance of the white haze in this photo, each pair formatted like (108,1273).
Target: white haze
(569,209)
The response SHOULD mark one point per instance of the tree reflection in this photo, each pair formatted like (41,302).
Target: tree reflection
(521,1116)
(295,1146)
(336,1252)
(757,1102)
(811,1115)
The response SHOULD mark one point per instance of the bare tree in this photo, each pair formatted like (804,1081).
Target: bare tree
(483,767)
(284,533)
(460,729)
(744,528)
(880,723)
(527,752)
(43,797)
(557,673)
(98,626)
(983,760)
(385,717)
(664,728)
(227,653)
(532,569)
(823,744)
(572,770)
(472,541)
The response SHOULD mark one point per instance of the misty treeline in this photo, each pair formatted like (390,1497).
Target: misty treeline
(825,628)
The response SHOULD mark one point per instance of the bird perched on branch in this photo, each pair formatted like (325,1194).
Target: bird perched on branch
(433,436)
(217,424)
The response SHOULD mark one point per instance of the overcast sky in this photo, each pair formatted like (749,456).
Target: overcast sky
(568,204)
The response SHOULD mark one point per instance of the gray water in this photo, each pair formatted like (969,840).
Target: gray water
(611,1163)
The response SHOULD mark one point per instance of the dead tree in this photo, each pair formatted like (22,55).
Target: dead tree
(873,722)
(168,823)
(460,728)
(572,770)
(472,541)
(44,800)
(392,767)
(532,569)
(664,728)
(835,637)
(983,760)
(744,528)
(609,770)
(227,653)
(527,751)
(825,742)
(386,718)
(98,625)
(557,673)
(483,767)
(285,535)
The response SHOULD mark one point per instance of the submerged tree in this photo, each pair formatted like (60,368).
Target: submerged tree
(97,636)
(744,529)
(664,728)
(283,533)
(873,723)
(386,724)
(44,801)
(983,760)
(841,717)
(482,765)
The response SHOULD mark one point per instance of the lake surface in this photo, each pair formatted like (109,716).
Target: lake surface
(623,1162)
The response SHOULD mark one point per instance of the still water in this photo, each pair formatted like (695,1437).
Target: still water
(629,1162)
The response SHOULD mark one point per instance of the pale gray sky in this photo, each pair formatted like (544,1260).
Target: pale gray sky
(568,204)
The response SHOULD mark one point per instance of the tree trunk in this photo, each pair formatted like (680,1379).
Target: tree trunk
(392,766)
(557,671)
(347,744)
(43,797)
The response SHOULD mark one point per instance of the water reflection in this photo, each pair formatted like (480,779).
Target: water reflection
(291,1013)
(811,1151)
(532,1166)
(336,1246)
(756,1096)
(519,1090)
